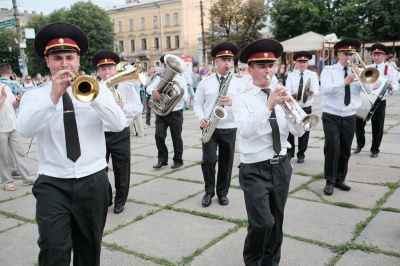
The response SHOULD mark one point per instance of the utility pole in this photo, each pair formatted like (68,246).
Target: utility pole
(202,32)
(21,57)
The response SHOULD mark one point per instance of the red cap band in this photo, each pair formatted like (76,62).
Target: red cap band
(261,56)
(61,42)
(378,51)
(224,53)
(106,61)
(347,48)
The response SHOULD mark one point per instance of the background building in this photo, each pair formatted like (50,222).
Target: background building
(147,29)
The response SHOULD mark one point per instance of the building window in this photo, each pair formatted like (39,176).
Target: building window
(176,19)
(142,23)
(176,41)
(156,43)
(133,48)
(144,44)
(121,46)
(131,24)
(155,22)
(167,20)
(168,42)
(119,26)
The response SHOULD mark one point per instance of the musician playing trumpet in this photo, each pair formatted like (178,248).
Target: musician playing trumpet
(207,98)
(303,85)
(341,88)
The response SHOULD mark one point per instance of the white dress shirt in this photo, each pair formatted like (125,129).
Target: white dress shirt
(333,90)
(255,132)
(7,113)
(391,76)
(39,117)
(207,94)
(132,104)
(293,81)
(178,78)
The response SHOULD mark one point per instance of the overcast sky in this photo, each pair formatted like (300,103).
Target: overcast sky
(47,6)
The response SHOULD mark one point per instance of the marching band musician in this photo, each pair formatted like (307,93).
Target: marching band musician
(208,95)
(173,120)
(296,84)
(265,170)
(340,87)
(71,190)
(380,52)
(118,144)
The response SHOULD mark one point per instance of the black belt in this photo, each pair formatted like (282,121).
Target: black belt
(109,133)
(277,159)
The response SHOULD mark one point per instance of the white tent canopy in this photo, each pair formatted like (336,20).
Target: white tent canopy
(309,41)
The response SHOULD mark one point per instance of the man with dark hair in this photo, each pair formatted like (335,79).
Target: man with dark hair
(71,190)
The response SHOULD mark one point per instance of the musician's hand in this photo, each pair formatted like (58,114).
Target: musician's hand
(350,78)
(3,92)
(120,104)
(310,92)
(226,100)
(203,123)
(60,82)
(390,87)
(156,95)
(356,70)
(276,96)
(294,95)
(19,97)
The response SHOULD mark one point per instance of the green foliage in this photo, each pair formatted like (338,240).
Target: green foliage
(9,50)
(92,19)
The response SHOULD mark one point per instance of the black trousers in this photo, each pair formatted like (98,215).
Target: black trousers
(148,111)
(265,189)
(224,140)
(302,141)
(377,122)
(118,145)
(339,134)
(71,214)
(174,121)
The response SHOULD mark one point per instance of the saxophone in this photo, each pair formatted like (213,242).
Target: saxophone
(218,113)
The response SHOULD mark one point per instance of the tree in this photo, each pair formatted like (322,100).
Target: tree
(9,49)
(236,21)
(92,19)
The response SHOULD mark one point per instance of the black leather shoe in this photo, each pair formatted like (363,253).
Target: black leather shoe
(206,201)
(159,165)
(357,150)
(176,165)
(223,201)
(374,154)
(328,190)
(300,160)
(118,209)
(110,204)
(342,185)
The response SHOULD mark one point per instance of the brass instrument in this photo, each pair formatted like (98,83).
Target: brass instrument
(84,88)
(170,96)
(295,112)
(306,91)
(133,73)
(218,113)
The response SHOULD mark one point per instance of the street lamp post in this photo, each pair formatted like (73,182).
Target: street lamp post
(21,58)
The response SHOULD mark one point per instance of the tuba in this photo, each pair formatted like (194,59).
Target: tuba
(295,112)
(133,73)
(170,96)
(218,113)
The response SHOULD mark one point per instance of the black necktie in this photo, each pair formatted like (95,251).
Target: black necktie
(221,81)
(300,91)
(71,130)
(276,141)
(346,90)
(376,66)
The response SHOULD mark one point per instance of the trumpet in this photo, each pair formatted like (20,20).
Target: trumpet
(84,88)
(294,111)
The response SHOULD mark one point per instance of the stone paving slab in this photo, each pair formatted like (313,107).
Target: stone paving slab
(359,258)
(135,179)
(21,190)
(368,173)
(384,159)
(18,246)
(164,191)
(112,257)
(8,222)
(297,180)
(306,194)
(312,163)
(382,232)
(393,201)
(168,234)
(236,208)
(136,160)
(361,195)
(23,206)
(321,222)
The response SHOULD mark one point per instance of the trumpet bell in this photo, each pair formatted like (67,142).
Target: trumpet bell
(310,121)
(369,75)
(85,89)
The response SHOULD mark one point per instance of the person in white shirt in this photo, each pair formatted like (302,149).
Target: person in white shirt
(391,61)
(265,170)
(173,120)
(118,143)
(208,95)
(296,84)
(379,51)
(340,87)
(71,190)
(29,84)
